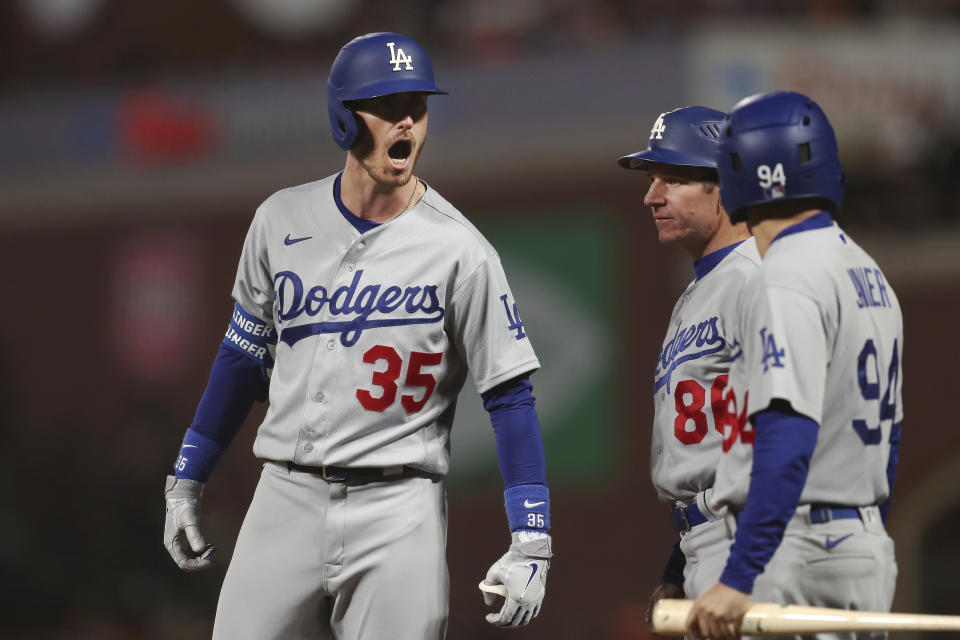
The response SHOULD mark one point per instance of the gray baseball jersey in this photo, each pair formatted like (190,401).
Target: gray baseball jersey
(820,326)
(371,337)
(374,332)
(691,378)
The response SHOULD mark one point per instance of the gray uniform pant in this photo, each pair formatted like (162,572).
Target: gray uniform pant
(844,564)
(705,548)
(324,560)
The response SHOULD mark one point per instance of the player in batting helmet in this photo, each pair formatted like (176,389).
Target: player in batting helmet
(358,73)
(821,333)
(346,534)
(680,160)
(695,356)
(777,147)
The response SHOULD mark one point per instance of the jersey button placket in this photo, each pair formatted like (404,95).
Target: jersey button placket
(336,513)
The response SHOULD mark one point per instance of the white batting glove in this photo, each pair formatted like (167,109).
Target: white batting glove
(523,571)
(181,531)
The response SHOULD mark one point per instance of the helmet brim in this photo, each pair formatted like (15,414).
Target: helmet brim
(643,159)
(389,87)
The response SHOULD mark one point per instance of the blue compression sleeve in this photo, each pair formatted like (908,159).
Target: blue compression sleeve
(236,382)
(513,414)
(891,469)
(673,572)
(782,450)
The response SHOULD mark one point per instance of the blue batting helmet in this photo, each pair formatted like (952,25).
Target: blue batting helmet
(374,65)
(685,136)
(776,147)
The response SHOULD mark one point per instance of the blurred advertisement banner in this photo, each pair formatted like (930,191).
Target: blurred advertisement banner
(891,90)
(241,133)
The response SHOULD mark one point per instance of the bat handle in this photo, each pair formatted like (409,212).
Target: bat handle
(670,616)
(495,589)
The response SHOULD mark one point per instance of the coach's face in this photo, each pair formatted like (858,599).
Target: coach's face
(390,143)
(685,206)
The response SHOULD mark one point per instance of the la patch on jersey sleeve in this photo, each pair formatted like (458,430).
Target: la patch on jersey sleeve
(488,327)
(787,351)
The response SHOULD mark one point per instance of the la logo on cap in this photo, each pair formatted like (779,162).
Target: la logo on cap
(658,128)
(398,57)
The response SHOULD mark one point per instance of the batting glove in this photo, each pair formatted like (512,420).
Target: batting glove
(523,571)
(181,533)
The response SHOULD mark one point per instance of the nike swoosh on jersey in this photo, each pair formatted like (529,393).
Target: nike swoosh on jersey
(530,505)
(832,543)
(289,241)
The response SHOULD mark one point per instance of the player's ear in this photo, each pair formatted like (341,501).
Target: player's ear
(713,188)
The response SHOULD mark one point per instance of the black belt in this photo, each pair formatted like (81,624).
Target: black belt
(686,518)
(820,513)
(359,475)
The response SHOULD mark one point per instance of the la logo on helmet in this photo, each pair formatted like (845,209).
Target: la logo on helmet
(398,57)
(658,128)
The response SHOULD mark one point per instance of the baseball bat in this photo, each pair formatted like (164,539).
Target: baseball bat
(764,619)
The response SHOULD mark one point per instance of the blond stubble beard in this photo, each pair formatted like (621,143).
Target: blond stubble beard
(386,179)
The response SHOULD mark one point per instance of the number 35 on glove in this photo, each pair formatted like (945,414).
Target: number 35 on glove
(520,577)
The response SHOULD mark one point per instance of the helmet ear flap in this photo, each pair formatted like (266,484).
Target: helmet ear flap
(343,125)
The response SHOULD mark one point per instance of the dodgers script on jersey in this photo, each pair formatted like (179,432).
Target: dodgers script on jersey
(691,378)
(374,333)
(820,327)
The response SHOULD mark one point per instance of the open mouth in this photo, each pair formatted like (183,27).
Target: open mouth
(399,153)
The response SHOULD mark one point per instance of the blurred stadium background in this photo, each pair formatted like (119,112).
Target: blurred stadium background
(136,140)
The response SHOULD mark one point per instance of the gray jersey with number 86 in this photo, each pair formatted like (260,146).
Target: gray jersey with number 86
(692,376)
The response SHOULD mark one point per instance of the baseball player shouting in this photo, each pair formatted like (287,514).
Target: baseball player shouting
(362,300)
(812,429)
(691,374)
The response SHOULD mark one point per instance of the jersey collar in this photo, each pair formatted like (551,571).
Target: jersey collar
(703,266)
(359,223)
(818,221)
